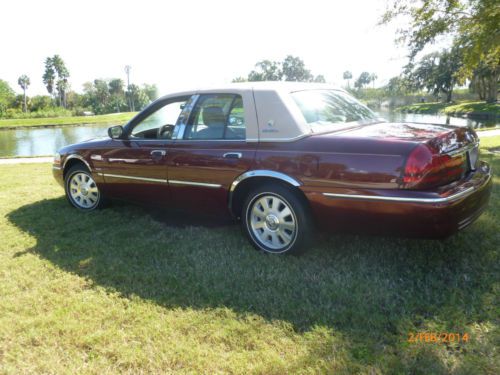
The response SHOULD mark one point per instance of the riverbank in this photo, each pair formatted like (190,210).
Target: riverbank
(463,109)
(112,118)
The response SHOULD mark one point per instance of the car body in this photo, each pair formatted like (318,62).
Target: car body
(211,151)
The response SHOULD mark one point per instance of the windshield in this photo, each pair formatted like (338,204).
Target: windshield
(326,107)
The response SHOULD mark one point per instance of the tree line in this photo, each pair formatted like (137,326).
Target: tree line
(99,96)
(474,56)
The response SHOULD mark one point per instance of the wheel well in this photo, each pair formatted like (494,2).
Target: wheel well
(237,198)
(72,162)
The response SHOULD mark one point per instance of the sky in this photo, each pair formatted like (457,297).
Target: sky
(188,44)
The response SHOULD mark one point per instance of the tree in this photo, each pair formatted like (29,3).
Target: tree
(49,76)
(397,86)
(7,95)
(373,78)
(292,68)
(62,81)
(472,24)
(363,79)
(436,72)
(116,90)
(151,91)
(266,71)
(24,82)
(481,82)
(138,97)
(239,79)
(40,102)
(347,76)
(55,68)
(320,78)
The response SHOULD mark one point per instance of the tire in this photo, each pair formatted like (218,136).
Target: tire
(81,190)
(277,220)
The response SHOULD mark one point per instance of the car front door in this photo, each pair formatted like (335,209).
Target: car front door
(135,167)
(210,151)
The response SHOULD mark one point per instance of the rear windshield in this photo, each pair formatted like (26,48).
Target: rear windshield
(326,107)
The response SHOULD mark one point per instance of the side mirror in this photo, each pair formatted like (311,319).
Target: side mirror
(115,132)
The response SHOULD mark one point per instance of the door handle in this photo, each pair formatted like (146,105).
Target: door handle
(158,153)
(232,155)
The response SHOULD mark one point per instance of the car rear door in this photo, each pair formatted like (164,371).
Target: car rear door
(211,150)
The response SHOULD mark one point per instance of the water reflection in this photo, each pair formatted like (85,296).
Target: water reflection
(438,119)
(37,141)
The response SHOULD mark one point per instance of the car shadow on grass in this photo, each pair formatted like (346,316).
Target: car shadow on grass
(374,290)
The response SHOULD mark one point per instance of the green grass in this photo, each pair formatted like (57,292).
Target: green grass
(459,109)
(132,290)
(113,118)
(473,108)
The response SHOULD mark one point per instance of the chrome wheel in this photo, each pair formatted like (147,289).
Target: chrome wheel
(83,191)
(272,222)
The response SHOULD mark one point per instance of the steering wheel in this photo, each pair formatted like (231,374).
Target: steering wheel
(165,132)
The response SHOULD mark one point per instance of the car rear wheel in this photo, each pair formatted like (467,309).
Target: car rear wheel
(81,190)
(277,220)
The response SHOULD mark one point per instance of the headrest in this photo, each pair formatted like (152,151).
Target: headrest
(213,116)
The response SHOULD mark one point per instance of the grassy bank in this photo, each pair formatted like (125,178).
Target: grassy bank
(457,109)
(132,290)
(113,118)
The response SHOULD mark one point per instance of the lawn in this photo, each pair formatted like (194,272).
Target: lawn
(458,109)
(113,118)
(135,290)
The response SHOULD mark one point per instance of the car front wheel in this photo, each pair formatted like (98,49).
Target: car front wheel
(277,220)
(81,190)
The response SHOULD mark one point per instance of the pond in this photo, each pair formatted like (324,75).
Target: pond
(46,141)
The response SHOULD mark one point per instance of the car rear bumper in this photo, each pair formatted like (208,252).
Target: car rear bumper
(433,214)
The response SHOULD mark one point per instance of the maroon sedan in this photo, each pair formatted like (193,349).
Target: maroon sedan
(284,158)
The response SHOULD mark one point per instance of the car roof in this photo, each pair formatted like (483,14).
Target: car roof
(279,118)
(271,86)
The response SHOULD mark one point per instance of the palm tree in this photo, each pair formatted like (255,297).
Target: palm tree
(24,82)
(373,78)
(347,75)
(49,76)
(62,75)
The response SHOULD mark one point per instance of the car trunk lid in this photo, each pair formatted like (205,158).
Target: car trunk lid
(441,153)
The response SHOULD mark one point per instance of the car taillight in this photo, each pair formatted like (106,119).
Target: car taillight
(426,168)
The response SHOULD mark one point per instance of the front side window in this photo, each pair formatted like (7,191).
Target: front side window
(159,124)
(321,108)
(217,116)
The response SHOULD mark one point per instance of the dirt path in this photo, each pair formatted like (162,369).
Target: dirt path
(42,159)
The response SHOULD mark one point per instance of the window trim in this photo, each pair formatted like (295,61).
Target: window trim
(148,111)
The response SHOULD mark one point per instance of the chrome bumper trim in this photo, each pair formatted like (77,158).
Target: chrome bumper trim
(452,197)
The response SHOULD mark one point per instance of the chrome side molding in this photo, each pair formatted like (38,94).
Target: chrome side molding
(192,183)
(161,180)
(133,177)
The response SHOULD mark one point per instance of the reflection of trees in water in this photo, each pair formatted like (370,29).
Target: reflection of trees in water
(437,119)
(46,141)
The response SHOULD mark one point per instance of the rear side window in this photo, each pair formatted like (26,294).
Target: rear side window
(217,116)
(327,107)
